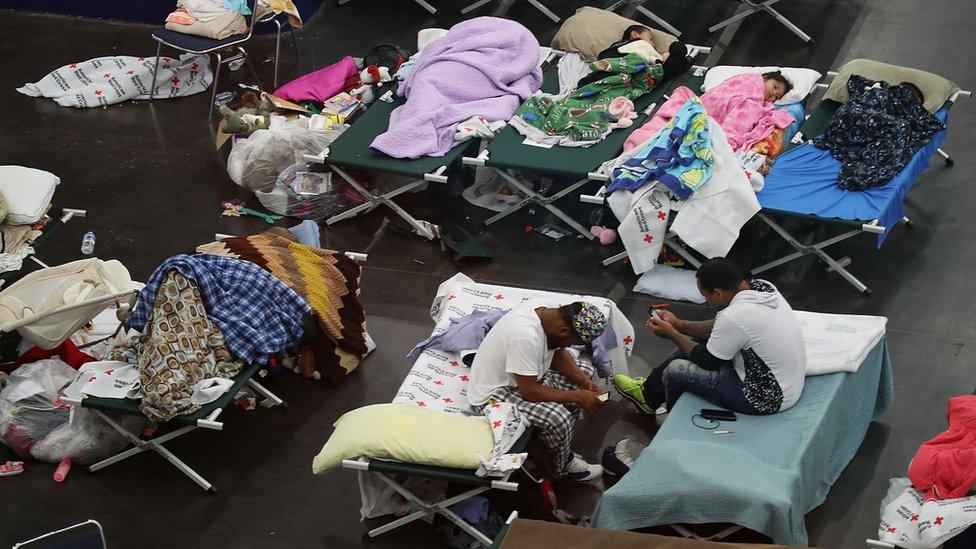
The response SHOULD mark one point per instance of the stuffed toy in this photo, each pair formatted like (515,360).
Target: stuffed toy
(372,79)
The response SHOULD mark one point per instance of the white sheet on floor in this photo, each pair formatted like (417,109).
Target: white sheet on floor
(109,80)
(669,282)
(839,343)
(908,521)
(486,191)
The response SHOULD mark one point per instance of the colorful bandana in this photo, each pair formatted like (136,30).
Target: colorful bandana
(590,323)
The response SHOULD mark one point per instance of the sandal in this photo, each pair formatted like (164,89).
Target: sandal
(11,468)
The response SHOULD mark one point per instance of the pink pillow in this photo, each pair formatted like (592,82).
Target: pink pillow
(321,84)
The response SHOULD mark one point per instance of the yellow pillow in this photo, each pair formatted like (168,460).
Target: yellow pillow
(406,433)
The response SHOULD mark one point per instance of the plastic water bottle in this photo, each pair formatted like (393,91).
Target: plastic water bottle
(88,243)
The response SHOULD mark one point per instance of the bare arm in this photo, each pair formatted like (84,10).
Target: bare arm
(533,391)
(698,329)
(564,363)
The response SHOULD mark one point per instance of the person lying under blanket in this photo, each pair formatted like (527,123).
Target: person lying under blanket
(524,360)
(753,360)
(674,62)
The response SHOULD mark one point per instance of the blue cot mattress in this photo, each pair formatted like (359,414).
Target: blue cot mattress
(804,181)
(767,475)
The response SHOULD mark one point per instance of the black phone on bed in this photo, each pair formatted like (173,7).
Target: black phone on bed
(717,415)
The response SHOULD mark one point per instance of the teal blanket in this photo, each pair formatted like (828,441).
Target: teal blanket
(767,475)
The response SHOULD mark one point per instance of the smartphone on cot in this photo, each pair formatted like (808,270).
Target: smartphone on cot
(717,415)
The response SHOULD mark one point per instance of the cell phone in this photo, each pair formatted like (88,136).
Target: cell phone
(604,397)
(717,415)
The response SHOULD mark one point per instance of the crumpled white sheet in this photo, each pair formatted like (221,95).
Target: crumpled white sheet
(839,343)
(14,260)
(910,522)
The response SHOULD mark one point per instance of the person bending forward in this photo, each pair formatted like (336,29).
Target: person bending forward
(524,360)
(754,358)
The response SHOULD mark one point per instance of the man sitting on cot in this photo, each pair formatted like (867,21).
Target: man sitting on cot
(524,360)
(753,360)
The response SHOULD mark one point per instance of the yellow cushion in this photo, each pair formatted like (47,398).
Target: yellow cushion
(406,433)
(591,30)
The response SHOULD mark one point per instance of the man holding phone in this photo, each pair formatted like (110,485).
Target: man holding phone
(754,358)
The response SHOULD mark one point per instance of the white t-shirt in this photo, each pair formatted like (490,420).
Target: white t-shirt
(760,334)
(516,344)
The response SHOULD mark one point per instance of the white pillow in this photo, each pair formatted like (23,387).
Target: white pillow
(668,282)
(28,192)
(803,80)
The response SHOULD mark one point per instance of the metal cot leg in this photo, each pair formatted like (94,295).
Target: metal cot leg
(152,90)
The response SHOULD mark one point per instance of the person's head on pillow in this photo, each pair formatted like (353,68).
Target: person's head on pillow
(775,86)
(916,93)
(638,32)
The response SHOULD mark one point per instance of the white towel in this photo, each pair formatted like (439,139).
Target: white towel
(839,343)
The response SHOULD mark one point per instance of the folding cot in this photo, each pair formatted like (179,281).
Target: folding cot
(352,150)
(509,151)
(755,6)
(437,380)
(769,471)
(802,185)
(59,216)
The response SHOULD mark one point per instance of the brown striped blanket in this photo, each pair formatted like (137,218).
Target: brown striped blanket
(328,280)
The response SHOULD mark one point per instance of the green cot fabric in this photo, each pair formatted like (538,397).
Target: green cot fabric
(507,150)
(352,147)
(583,115)
(131,407)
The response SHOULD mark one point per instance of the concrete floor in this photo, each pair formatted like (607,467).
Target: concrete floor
(152,184)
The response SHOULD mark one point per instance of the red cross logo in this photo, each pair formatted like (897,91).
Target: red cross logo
(421,403)
(194,66)
(98,92)
(891,530)
(661,215)
(496,424)
(454,363)
(131,72)
(142,59)
(938,521)
(499,297)
(438,382)
(109,372)
(496,405)
(628,340)
(73,66)
(92,378)
(448,400)
(463,378)
(450,297)
(914,518)
(107,75)
(648,238)
(175,80)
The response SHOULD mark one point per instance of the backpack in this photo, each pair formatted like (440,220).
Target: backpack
(390,56)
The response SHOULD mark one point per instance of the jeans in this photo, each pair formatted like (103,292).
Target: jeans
(676,375)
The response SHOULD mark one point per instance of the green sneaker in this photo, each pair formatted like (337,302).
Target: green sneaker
(632,388)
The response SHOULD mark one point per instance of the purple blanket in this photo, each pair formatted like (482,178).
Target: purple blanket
(483,67)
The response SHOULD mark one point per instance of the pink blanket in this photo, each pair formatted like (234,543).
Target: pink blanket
(321,84)
(737,105)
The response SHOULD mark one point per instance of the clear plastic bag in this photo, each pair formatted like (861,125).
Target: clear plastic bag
(308,195)
(254,163)
(86,439)
(29,410)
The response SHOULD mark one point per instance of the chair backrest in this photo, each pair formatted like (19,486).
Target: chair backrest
(86,535)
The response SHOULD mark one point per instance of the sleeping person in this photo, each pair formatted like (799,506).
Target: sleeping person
(638,38)
(753,360)
(524,360)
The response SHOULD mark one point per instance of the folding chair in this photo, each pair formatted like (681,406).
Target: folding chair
(388,471)
(639,6)
(754,6)
(84,535)
(200,45)
(204,418)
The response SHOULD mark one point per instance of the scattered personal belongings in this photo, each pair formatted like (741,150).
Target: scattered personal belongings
(114,79)
(236,208)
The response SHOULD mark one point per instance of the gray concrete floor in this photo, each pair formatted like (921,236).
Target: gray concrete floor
(152,183)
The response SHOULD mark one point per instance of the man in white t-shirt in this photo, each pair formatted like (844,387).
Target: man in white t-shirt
(524,360)
(754,358)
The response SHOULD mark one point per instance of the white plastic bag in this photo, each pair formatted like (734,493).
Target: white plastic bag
(29,407)
(86,439)
(254,163)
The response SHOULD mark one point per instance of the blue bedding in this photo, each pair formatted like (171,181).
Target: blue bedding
(804,180)
(767,475)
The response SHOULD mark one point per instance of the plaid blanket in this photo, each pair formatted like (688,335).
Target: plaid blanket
(258,315)
(327,279)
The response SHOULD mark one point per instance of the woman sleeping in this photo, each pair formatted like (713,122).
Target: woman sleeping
(742,105)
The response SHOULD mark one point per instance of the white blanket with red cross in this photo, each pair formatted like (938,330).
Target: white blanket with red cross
(438,380)
(108,80)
